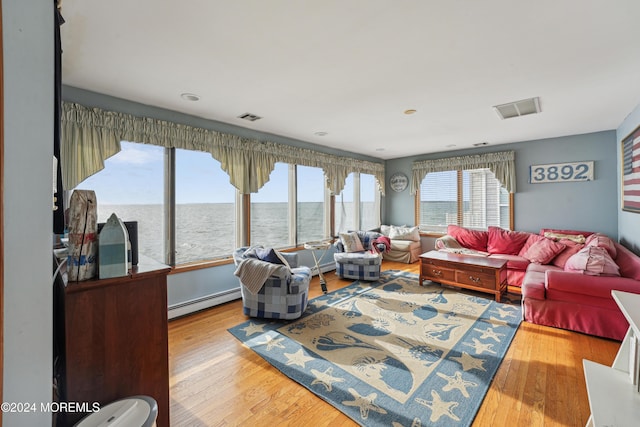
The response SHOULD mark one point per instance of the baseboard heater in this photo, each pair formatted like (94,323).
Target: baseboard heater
(324,267)
(208,301)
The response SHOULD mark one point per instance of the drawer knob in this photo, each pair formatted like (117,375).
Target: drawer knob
(437,273)
(474,279)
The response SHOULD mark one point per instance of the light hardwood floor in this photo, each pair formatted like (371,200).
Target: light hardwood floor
(215,381)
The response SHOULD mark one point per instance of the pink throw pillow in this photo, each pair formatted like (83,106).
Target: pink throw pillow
(472,239)
(570,249)
(602,241)
(506,242)
(530,241)
(594,261)
(543,251)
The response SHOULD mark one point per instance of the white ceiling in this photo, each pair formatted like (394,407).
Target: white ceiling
(351,67)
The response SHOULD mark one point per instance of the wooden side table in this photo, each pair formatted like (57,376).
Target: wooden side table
(320,245)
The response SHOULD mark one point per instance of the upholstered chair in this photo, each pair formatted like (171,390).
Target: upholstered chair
(359,264)
(282,295)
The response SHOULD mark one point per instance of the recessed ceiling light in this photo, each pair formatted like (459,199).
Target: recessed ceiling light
(190,96)
(321,133)
(410,111)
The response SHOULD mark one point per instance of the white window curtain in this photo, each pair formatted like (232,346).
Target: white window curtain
(92,135)
(502,164)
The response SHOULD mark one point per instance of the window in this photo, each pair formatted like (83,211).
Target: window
(310,195)
(270,210)
(131,185)
(471,198)
(205,208)
(290,209)
(369,202)
(345,207)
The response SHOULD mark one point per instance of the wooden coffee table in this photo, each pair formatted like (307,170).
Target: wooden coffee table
(465,271)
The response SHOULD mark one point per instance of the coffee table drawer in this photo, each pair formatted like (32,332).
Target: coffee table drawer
(436,273)
(475,278)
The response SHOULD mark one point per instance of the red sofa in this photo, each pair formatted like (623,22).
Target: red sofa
(559,290)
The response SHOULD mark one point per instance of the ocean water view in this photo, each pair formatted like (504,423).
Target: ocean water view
(207,230)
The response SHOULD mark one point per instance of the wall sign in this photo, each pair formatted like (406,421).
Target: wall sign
(398,182)
(561,172)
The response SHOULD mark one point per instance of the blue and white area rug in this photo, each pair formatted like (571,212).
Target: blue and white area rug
(392,353)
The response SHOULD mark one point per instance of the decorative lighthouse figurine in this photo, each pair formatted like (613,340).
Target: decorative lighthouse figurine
(112,249)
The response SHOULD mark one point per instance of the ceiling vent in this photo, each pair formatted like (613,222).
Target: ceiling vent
(518,108)
(250,117)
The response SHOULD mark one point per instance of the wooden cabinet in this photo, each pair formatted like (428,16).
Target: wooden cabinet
(614,391)
(115,341)
(465,271)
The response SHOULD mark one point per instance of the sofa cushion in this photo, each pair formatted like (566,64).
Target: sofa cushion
(501,241)
(592,260)
(514,262)
(351,242)
(472,239)
(404,233)
(602,241)
(530,241)
(570,248)
(543,251)
(404,245)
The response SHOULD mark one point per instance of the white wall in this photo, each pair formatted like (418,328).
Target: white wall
(28,120)
(628,222)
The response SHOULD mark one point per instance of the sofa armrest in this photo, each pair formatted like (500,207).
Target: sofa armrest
(596,286)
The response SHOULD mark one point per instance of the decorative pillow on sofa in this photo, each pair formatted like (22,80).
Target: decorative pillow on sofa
(543,251)
(404,233)
(594,261)
(602,241)
(472,239)
(578,238)
(351,242)
(530,241)
(570,249)
(507,242)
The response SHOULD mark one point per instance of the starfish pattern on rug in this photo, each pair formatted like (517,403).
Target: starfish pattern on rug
(365,403)
(253,328)
(325,378)
(489,333)
(456,382)
(272,342)
(480,347)
(504,312)
(469,362)
(439,407)
(299,358)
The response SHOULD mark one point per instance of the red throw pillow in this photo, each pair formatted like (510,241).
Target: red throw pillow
(543,251)
(570,249)
(472,239)
(530,241)
(506,242)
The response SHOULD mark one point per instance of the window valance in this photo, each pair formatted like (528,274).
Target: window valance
(92,135)
(502,164)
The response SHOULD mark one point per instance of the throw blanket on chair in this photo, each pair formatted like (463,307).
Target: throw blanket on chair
(254,272)
(382,240)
